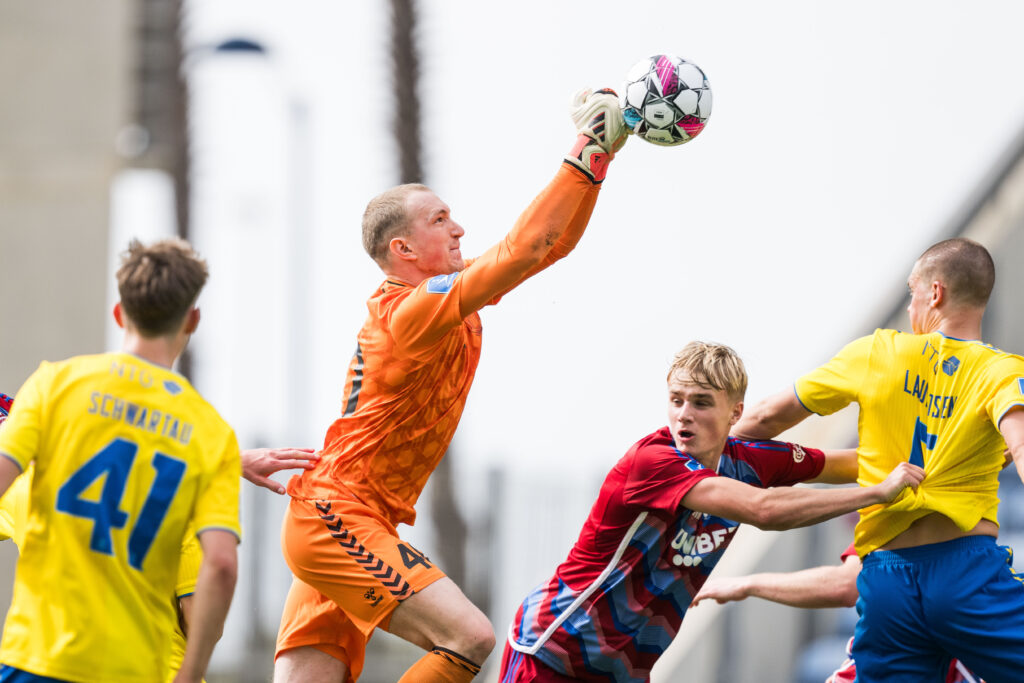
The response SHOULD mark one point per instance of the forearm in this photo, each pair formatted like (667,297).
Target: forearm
(573,232)
(791,507)
(207,612)
(817,587)
(541,232)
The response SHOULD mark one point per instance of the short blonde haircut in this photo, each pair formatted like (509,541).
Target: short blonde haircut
(712,366)
(385,218)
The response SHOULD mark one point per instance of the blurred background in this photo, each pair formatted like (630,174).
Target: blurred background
(845,139)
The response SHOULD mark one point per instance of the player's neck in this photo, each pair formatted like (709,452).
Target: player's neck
(710,460)
(404,272)
(162,351)
(960,326)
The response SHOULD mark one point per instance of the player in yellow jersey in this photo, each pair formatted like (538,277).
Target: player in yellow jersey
(415,359)
(257,466)
(127,455)
(934,583)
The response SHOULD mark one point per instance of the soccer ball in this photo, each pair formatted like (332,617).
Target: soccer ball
(666,100)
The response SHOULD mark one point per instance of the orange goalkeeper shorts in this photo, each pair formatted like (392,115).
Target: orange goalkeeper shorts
(351,570)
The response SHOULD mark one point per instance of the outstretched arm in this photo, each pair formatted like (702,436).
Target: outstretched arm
(771,416)
(259,463)
(828,586)
(786,507)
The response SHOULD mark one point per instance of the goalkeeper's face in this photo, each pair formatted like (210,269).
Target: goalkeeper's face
(433,235)
(700,417)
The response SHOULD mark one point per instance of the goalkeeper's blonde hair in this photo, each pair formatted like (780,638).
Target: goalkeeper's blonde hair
(712,366)
(386,218)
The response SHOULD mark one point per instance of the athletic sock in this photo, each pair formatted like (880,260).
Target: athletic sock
(441,666)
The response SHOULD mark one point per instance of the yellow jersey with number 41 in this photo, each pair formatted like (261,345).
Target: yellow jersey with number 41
(126,454)
(934,401)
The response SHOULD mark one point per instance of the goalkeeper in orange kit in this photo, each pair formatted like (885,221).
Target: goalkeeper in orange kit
(404,393)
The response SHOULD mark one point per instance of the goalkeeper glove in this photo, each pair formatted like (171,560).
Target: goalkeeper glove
(601,131)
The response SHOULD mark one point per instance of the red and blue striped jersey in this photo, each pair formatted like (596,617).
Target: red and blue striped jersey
(614,605)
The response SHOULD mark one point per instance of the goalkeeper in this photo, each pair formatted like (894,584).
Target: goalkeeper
(404,393)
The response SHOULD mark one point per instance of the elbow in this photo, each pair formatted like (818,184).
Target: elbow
(766,514)
(223,570)
(848,596)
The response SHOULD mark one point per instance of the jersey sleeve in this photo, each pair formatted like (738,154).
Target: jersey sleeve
(779,463)
(835,384)
(850,551)
(217,506)
(14,508)
(556,218)
(660,477)
(1008,389)
(22,430)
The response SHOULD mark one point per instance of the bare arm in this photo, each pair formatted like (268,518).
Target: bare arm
(840,468)
(259,463)
(788,507)
(829,586)
(9,471)
(1012,428)
(214,589)
(771,416)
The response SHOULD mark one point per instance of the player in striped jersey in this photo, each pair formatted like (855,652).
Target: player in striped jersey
(943,399)
(665,514)
(407,384)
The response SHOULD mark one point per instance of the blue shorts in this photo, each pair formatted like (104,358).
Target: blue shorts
(8,674)
(919,607)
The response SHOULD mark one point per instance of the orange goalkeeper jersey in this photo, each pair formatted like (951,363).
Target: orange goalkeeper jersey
(416,355)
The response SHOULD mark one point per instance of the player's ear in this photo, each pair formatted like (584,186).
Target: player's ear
(737,412)
(400,247)
(192,321)
(119,315)
(938,293)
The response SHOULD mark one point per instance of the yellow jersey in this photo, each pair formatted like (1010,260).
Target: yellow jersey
(929,399)
(127,454)
(14,508)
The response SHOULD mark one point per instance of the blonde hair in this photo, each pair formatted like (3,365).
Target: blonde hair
(159,284)
(386,218)
(713,366)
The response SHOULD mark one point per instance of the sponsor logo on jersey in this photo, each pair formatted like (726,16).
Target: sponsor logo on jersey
(1020,384)
(172,387)
(798,453)
(691,549)
(439,284)
(950,365)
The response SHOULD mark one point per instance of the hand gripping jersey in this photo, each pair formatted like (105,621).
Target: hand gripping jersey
(126,453)
(930,399)
(416,357)
(615,604)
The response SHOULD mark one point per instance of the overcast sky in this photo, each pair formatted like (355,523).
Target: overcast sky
(843,137)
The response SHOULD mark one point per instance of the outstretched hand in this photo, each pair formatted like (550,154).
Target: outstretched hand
(721,590)
(902,476)
(259,463)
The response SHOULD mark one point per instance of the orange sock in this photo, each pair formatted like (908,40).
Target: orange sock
(441,666)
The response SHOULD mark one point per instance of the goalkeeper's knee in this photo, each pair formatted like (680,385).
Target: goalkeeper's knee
(601,131)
